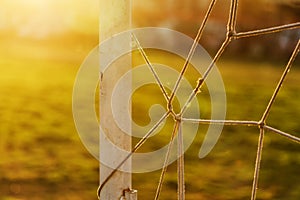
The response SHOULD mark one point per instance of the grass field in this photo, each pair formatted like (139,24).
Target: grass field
(42,156)
(227,172)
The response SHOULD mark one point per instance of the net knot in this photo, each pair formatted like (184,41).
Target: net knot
(261,124)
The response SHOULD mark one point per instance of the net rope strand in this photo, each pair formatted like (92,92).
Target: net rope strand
(180,165)
(267,30)
(136,147)
(193,49)
(257,163)
(167,157)
(231,34)
(263,121)
(280,83)
(149,64)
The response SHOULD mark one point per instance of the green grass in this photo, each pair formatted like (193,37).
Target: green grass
(42,156)
(227,172)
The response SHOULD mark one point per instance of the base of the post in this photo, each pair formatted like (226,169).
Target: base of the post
(129,194)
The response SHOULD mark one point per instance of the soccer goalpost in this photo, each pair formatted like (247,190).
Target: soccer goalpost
(115,17)
(116,182)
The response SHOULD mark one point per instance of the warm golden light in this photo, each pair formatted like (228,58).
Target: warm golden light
(41,18)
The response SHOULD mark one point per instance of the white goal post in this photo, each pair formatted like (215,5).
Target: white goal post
(115,17)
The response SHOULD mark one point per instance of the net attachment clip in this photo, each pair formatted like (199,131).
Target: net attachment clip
(129,194)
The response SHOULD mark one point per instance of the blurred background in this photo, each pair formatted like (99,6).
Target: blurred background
(186,17)
(43,43)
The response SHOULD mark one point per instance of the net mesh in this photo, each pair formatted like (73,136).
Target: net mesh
(230,36)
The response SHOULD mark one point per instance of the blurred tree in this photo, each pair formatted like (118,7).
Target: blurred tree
(186,16)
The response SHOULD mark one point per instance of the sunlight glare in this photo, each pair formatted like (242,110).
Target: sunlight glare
(41,18)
